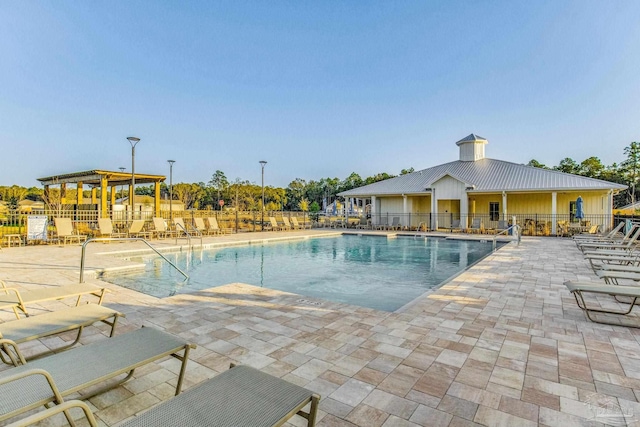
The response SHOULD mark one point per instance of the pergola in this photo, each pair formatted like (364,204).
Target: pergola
(102,179)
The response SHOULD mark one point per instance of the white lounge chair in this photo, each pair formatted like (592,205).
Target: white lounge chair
(65,232)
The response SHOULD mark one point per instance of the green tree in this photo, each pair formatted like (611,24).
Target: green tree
(189,194)
(406,171)
(630,167)
(568,165)
(295,192)
(218,183)
(591,167)
(536,164)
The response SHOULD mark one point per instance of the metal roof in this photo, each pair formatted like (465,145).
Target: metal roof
(485,175)
(93,177)
(471,138)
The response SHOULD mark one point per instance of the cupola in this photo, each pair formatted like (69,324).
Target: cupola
(471,148)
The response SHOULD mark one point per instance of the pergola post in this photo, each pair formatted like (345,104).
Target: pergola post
(79,197)
(103,197)
(94,195)
(113,195)
(46,194)
(156,199)
(63,193)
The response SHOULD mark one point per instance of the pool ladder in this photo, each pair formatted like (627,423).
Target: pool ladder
(123,239)
(515,231)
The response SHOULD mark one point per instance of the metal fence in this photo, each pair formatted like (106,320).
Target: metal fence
(86,220)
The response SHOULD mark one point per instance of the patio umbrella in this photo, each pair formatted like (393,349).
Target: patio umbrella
(579,208)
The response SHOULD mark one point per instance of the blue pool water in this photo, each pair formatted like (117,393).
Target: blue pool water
(367,271)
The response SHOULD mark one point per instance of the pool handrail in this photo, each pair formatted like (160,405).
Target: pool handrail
(109,239)
(515,229)
(186,232)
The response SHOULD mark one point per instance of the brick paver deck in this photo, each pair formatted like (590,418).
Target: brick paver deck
(502,344)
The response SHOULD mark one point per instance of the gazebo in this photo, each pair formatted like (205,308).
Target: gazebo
(101,179)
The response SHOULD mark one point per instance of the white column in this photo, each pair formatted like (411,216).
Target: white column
(609,209)
(405,219)
(374,219)
(554,212)
(464,212)
(434,210)
(504,205)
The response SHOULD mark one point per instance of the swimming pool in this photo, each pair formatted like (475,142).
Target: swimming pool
(367,271)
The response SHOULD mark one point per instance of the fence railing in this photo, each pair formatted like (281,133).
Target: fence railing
(532,224)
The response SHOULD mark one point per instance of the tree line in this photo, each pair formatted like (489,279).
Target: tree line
(303,195)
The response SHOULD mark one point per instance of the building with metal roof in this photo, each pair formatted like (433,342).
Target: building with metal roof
(475,186)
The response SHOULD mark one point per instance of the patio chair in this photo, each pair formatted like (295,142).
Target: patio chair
(160,228)
(297,225)
(578,288)
(286,225)
(383,224)
(627,244)
(105,229)
(136,229)
(213,226)
(476,226)
(455,225)
(65,232)
(93,364)
(18,300)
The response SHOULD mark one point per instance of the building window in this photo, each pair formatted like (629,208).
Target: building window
(572,211)
(494,211)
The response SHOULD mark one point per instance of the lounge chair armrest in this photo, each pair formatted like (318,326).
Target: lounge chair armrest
(31,372)
(64,406)
(10,348)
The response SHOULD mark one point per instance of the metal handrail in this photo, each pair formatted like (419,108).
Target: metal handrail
(185,232)
(109,239)
(514,227)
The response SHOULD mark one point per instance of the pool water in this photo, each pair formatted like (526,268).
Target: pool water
(367,271)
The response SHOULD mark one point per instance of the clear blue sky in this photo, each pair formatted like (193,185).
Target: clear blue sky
(318,89)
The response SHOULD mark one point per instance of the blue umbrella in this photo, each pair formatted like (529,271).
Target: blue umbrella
(579,208)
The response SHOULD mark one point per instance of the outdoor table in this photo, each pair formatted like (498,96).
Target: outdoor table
(13,238)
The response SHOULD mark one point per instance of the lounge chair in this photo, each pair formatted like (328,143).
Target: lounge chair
(286,225)
(364,224)
(383,224)
(18,300)
(626,243)
(297,225)
(65,232)
(92,364)
(609,236)
(455,225)
(137,229)
(57,322)
(105,229)
(180,227)
(395,224)
(40,382)
(160,228)
(214,228)
(611,277)
(476,226)
(274,224)
(241,396)
(199,225)
(578,288)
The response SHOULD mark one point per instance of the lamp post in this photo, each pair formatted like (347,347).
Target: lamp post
(122,168)
(171,162)
(134,141)
(262,163)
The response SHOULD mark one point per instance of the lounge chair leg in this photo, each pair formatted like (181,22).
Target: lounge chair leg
(313,410)
(183,368)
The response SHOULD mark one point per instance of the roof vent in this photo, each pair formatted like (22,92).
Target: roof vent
(471,148)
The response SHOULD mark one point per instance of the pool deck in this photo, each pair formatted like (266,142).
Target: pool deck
(502,344)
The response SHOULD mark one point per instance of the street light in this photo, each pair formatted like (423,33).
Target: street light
(262,163)
(134,141)
(122,168)
(171,162)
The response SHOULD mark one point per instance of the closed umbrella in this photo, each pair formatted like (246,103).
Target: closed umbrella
(579,208)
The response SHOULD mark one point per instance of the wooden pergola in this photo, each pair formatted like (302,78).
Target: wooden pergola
(102,179)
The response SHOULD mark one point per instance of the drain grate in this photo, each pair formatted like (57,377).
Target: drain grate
(308,302)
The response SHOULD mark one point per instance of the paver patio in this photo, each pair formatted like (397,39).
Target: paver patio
(504,343)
